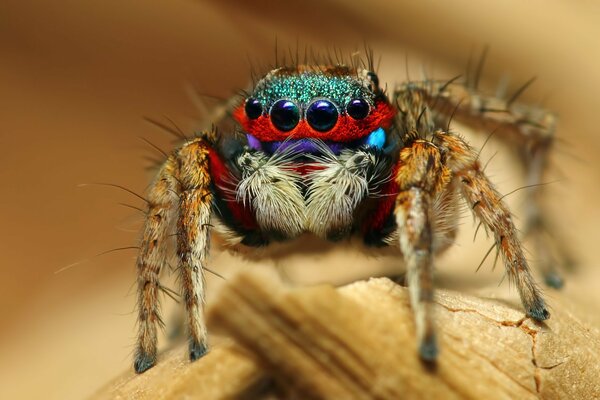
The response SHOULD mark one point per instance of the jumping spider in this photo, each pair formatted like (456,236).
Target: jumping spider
(324,151)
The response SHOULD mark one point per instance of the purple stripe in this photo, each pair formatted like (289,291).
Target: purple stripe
(302,145)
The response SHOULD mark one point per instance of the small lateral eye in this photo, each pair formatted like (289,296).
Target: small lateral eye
(253,108)
(322,115)
(285,115)
(358,108)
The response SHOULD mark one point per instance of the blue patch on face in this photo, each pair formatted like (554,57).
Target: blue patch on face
(376,138)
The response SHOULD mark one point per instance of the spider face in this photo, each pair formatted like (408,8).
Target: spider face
(343,107)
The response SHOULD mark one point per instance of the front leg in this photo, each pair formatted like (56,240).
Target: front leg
(182,188)
(162,206)
(414,229)
(420,177)
(195,203)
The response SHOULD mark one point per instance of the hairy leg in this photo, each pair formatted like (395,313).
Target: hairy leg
(414,228)
(152,258)
(181,189)
(530,132)
(487,205)
(193,236)
(421,177)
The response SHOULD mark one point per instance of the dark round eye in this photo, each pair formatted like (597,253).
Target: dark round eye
(358,108)
(253,108)
(322,115)
(285,115)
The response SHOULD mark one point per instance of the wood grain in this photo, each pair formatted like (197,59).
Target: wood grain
(357,342)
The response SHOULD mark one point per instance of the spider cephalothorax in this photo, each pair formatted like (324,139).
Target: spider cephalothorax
(324,152)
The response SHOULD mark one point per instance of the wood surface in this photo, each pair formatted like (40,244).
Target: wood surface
(357,342)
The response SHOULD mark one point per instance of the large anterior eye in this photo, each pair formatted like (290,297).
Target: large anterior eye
(322,115)
(358,108)
(285,115)
(253,108)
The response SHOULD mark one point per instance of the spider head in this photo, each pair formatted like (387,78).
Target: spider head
(339,105)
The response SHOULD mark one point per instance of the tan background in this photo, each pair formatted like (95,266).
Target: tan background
(76,78)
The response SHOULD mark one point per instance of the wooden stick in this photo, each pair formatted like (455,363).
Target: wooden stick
(358,342)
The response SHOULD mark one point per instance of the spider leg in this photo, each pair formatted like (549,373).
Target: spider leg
(151,260)
(530,131)
(193,237)
(535,162)
(420,177)
(487,205)
(182,188)
(412,218)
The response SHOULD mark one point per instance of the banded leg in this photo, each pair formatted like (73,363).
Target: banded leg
(487,205)
(181,188)
(414,229)
(529,131)
(151,260)
(421,176)
(193,236)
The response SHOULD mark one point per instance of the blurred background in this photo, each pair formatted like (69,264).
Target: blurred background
(77,78)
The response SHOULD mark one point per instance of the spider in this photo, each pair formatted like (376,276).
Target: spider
(324,151)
